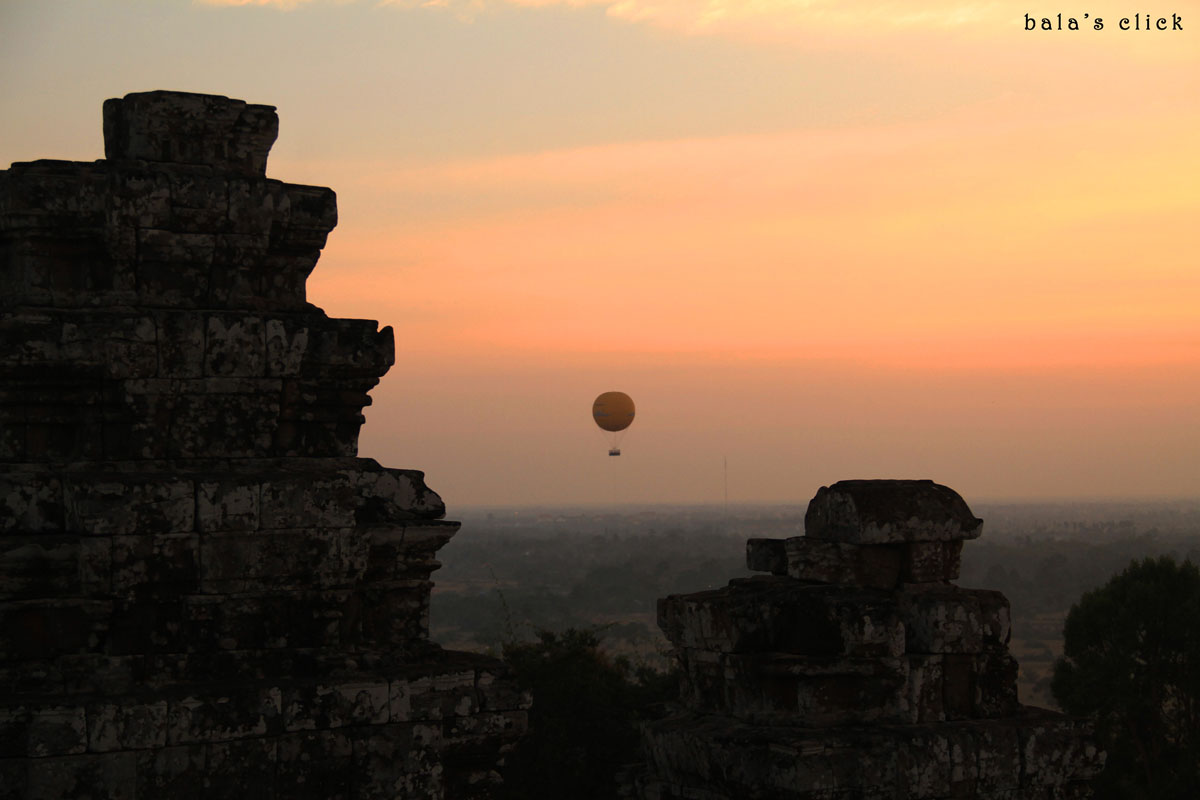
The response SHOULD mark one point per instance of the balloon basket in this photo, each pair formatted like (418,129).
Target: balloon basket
(614,452)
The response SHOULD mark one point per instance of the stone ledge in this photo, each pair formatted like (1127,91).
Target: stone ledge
(880,566)
(269,613)
(947,619)
(109,234)
(889,512)
(834,691)
(158,497)
(780,614)
(446,688)
(372,763)
(232,136)
(1014,759)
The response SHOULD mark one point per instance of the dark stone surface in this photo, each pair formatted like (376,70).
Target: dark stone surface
(782,615)
(857,670)
(196,129)
(889,511)
(203,591)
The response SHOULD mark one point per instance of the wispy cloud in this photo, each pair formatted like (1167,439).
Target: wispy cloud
(735,16)
(286,5)
(720,15)
(987,235)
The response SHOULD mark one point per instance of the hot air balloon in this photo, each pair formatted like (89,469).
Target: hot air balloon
(613,412)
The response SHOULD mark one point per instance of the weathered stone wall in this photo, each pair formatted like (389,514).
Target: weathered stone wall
(857,669)
(203,592)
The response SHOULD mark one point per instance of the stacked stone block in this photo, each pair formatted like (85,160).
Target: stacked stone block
(857,669)
(203,591)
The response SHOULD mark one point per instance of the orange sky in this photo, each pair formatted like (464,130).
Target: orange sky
(819,240)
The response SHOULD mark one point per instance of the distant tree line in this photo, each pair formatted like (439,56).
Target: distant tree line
(1041,574)
(498,585)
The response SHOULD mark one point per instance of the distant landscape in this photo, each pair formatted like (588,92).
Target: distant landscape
(511,571)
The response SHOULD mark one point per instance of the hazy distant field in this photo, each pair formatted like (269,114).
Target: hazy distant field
(511,571)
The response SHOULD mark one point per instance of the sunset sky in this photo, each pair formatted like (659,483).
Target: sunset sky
(816,239)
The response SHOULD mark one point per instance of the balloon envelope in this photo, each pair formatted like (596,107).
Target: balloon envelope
(613,411)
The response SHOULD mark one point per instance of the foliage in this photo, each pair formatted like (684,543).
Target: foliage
(1131,657)
(586,707)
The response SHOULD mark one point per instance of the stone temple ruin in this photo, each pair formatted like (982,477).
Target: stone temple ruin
(856,669)
(203,592)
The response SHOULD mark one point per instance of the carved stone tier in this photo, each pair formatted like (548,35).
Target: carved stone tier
(1036,755)
(203,591)
(858,670)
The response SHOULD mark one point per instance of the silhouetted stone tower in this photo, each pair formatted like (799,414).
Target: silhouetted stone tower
(203,592)
(858,670)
